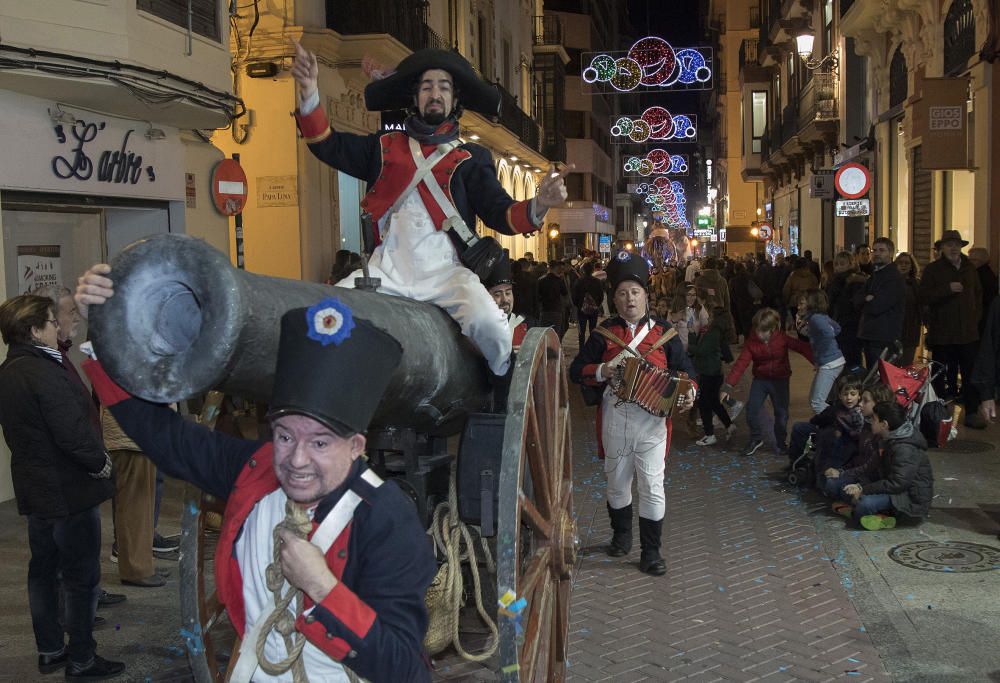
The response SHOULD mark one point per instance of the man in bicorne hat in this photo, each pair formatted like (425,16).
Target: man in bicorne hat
(500,285)
(632,441)
(426,188)
(366,566)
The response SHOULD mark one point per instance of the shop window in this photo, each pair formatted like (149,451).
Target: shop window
(204,14)
(898,78)
(758,123)
(959,36)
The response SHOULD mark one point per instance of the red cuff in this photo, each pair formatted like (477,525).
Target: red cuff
(108,393)
(589,374)
(349,610)
(519,217)
(315,632)
(314,126)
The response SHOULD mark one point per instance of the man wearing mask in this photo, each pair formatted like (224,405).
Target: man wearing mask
(426,188)
(883,304)
(950,289)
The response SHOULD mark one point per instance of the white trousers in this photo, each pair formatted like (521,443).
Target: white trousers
(635,445)
(417,261)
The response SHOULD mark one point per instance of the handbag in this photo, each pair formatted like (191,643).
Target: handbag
(482,256)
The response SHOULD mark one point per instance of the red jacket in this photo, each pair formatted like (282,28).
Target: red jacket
(770,359)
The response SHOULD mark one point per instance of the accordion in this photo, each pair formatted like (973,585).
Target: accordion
(653,389)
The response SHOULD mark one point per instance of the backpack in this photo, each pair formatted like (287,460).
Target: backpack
(935,423)
(588,306)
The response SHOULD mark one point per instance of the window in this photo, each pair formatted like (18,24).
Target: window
(508,67)
(485,58)
(758,122)
(959,36)
(898,78)
(204,14)
(828,26)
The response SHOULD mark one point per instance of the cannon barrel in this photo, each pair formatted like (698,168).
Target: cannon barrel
(183,320)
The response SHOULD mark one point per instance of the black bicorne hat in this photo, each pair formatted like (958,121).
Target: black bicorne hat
(332,367)
(627,266)
(396,90)
(500,275)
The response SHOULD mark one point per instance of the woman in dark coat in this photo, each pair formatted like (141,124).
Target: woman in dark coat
(61,474)
(912,319)
(842,293)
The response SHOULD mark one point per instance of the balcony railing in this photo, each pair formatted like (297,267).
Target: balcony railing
(818,100)
(789,122)
(748,52)
(513,118)
(404,20)
(548,30)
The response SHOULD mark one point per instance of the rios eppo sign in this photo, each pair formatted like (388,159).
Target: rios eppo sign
(88,153)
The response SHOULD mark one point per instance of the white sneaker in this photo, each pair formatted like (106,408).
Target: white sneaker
(707,441)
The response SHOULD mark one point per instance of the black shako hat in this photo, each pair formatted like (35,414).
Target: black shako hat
(500,275)
(627,266)
(396,90)
(332,367)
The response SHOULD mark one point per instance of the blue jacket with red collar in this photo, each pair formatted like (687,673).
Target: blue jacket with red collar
(599,350)
(385,162)
(374,620)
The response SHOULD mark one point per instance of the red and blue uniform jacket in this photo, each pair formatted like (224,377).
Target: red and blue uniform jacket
(374,620)
(598,349)
(384,161)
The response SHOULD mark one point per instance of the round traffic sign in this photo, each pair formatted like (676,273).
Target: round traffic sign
(229,187)
(764,231)
(852,180)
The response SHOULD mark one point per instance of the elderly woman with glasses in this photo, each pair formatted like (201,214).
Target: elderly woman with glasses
(61,474)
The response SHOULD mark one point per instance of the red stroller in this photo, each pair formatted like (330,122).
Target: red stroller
(914,391)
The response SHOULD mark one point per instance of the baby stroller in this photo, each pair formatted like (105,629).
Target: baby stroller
(914,390)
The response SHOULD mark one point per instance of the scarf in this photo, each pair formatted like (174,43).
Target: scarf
(426,134)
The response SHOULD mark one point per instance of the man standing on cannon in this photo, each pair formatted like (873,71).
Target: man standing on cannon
(352,595)
(426,188)
(632,441)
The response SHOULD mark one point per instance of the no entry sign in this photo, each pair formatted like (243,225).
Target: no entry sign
(764,231)
(229,187)
(852,181)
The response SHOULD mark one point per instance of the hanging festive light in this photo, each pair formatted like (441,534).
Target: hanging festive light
(657,161)
(651,62)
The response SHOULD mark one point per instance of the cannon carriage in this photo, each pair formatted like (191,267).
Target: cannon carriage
(183,321)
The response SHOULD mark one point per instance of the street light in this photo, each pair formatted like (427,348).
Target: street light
(754,231)
(694,242)
(804,46)
(553,233)
(628,246)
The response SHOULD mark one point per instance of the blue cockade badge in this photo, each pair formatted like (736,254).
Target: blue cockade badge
(329,322)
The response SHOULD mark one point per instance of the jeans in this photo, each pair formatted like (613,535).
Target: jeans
(822,383)
(833,488)
(872,505)
(71,546)
(957,358)
(777,391)
(709,404)
(582,321)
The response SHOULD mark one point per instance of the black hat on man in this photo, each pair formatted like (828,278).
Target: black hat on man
(627,266)
(396,90)
(500,275)
(332,367)
(951,236)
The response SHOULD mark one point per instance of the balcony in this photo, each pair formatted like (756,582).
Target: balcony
(548,30)
(748,52)
(818,110)
(789,122)
(404,20)
(513,118)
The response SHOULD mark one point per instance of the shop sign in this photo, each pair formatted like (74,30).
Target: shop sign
(277,190)
(66,150)
(848,208)
(940,120)
(704,232)
(37,266)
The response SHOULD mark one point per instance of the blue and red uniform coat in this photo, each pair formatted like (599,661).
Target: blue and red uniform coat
(670,356)
(374,620)
(384,161)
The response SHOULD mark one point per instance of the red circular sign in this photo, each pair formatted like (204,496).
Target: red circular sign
(852,181)
(764,231)
(229,187)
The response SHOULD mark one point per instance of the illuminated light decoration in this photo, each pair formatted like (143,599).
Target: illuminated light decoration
(656,124)
(650,64)
(657,161)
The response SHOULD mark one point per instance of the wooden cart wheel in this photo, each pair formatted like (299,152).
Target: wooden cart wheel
(536,540)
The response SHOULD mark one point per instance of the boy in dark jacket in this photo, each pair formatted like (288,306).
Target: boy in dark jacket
(841,425)
(767,348)
(860,458)
(903,482)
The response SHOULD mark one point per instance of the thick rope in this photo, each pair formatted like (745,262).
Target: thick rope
(281,619)
(449,533)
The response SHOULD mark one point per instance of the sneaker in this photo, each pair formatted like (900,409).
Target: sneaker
(752,447)
(165,545)
(878,522)
(735,408)
(98,670)
(707,440)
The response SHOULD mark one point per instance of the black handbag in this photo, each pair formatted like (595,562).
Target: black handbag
(482,257)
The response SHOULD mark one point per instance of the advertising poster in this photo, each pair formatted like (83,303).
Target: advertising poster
(37,266)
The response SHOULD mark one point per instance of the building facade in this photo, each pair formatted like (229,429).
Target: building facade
(108,107)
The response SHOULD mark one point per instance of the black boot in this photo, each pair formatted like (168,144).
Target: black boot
(621,527)
(650,561)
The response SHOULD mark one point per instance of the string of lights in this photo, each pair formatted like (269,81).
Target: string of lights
(655,124)
(651,63)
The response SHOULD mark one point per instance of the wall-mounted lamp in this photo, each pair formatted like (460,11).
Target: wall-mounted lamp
(804,46)
(60,116)
(155,133)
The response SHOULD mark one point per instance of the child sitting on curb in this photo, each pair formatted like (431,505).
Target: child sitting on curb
(903,482)
(836,429)
(767,348)
(709,350)
(865,456)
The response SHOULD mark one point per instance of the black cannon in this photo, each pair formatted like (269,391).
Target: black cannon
(184,321)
